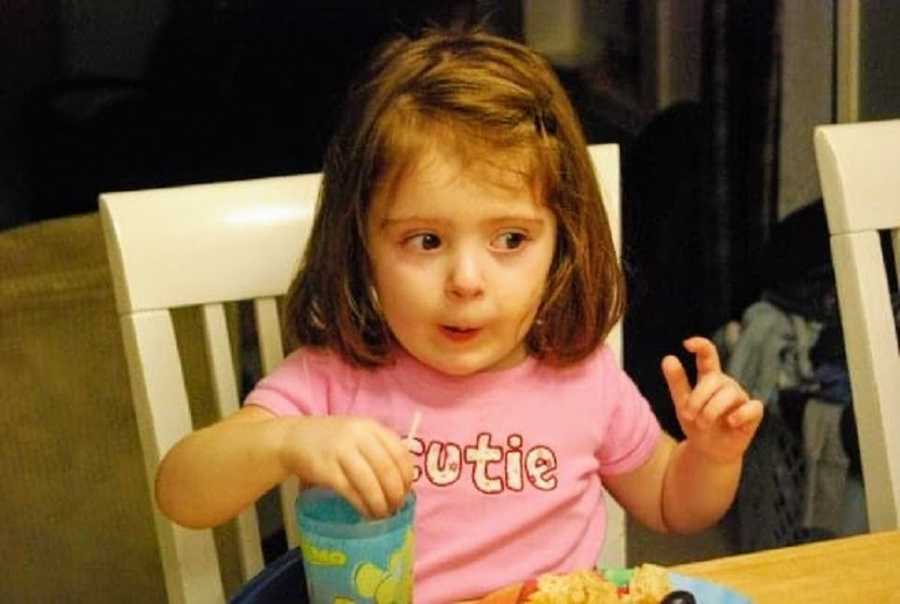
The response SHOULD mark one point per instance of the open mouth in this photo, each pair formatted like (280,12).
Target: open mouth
(459,334)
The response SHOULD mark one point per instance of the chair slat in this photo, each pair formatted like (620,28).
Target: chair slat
(225,391)
(895,246)
(873,359)
(606,168)
(605,160)
(268,329)
(287,494)
(221,362)
(189,558)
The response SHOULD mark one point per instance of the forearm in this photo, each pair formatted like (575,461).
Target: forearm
(697,491)
(210,476)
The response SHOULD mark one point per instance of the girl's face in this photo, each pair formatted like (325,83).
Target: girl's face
(460,259)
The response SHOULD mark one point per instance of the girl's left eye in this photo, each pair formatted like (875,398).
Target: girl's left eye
(511,240)
(425,241)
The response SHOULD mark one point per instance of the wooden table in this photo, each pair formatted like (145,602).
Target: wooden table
(863,569)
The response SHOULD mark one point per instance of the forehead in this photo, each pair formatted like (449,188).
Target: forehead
(441,181)
(436,174)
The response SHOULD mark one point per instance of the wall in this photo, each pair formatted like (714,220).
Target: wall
(807,84)
(879,53)
(558,30)
(807,97)
(679,50)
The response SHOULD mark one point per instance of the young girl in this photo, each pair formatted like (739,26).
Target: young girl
(461,266)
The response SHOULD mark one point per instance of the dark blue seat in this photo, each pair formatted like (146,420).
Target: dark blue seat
(281,582)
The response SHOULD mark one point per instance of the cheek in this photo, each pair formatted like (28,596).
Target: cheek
(547,264)
(527,293)
(384,273)
(541,268)
(400,291)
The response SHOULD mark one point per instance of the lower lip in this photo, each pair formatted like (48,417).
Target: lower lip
(460,336)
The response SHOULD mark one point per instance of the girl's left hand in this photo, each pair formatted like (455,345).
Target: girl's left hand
(717,415)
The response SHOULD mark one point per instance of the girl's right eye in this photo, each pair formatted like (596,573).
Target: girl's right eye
(425,241)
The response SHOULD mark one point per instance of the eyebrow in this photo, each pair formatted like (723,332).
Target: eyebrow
(529,221)
(389,222)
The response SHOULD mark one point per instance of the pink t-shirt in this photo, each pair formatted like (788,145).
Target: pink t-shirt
(509,464)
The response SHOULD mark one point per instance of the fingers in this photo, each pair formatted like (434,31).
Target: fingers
(747,417)
(362,472)
(677,380)
(720,399)
(375,469)
(714,399)
(390,461)
(717,415)
(690,401)
(344,489)
(707,357)
(715,396)
(397,449)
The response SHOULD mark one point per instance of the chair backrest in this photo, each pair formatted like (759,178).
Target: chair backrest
(607,167)
(205,246)
(202,245)
(859,169)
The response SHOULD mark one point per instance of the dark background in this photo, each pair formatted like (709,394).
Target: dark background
(228,89)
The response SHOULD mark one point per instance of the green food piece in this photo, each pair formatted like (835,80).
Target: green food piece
(620,577)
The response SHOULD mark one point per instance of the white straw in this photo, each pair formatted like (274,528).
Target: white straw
(413,428)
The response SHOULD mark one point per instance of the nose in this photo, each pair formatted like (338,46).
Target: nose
(465,278)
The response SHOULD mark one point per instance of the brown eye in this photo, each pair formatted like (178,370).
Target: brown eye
(427,241)
(510,241)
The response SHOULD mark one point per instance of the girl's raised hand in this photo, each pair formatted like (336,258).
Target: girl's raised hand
(716,415)
(358,458)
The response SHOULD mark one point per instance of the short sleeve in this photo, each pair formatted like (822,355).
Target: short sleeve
(306,383)
(632,429)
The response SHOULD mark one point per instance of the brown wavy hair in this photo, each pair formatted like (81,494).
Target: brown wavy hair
(492,101)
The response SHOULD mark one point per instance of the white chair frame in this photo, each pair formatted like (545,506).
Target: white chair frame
(207,245)
(859,170)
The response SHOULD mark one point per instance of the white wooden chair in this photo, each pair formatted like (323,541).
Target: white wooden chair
(607,166)
(207,245)
(859,169)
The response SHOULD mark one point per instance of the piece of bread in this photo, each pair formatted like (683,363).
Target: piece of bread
(582,586)
(649,585)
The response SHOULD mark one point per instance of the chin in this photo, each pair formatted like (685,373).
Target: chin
(462,368)
(463,363)
(456,369)
(453,365)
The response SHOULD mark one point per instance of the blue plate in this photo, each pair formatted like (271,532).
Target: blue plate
(706,592)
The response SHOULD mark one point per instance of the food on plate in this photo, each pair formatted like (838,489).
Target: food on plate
(646,584)
(580,586)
